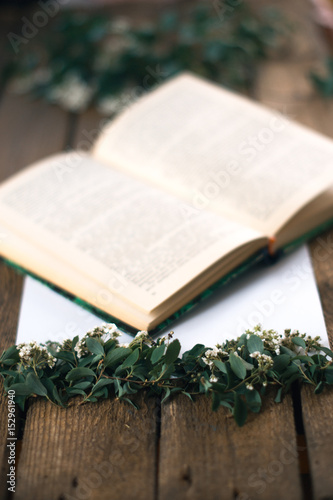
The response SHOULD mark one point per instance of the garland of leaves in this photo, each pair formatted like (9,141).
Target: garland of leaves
(235,374)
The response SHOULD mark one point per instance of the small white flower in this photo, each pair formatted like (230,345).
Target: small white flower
(73,93)
(255,354)
(249,387)
(120,25)
(142,334)
(213,378)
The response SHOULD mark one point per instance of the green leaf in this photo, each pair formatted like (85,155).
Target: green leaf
(10,353)
(168,370)
(247,365)
(240,410)
(21,389)
(285,350)
(131,359)
(129,401)
(157,354)
(220,365)
(216,399)
(254,343)
(166,395)
(299,341)
(52,390)
(219,387)
(95,346)
(172,352)
(9,361)
(80,372)
(278,395)
(237,366)
(83,385)
(102,383)
(281,362)
(116,355)
(65,356)
(329,374)
(73,390)
(36,385)
(253,400)
(195,352)
(319,388)
(102,393)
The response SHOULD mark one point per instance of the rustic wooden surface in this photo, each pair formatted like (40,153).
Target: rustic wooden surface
(180,450)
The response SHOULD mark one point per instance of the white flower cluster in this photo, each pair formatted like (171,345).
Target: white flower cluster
(104,332)
(272,340)
(73,93)
(212,354)
(34,354)
(265,362)
(66,345)
(141,336)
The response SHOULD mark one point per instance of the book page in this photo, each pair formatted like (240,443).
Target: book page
(220,152)
(284,295)
(129,238)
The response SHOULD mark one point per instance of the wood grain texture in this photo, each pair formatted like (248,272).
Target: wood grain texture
(322,260)
(205,455)
(101,451)
(285,85)
(10,296)
(30,130)
(88,127)
(318,422)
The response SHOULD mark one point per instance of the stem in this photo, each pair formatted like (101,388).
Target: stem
(307,378)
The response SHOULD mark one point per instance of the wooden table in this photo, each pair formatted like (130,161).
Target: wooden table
(179,450)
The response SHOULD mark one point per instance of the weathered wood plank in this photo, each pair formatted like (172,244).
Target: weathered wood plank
(205,455)
(30,130)
(105,450)
(10,296)
(27,136)
(288,88)
(322,261)
(318,409)
(102,451)
(88,128)
(318,422)
(10,20)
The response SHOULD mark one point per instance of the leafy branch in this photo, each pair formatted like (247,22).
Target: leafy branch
(234,374)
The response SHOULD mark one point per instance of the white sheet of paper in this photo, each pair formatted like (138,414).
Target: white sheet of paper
(278,296)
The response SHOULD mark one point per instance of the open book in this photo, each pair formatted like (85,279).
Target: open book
(182,189)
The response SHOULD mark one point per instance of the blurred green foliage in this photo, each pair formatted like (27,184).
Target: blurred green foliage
(100,57)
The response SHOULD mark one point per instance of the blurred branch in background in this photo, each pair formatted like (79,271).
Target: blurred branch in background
(83,58)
